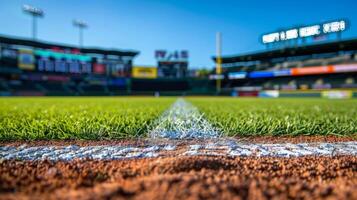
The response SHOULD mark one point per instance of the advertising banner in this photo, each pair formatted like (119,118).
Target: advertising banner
(144,72)
(338,94)
(98,68)
(269,94)
(284,72)
(261,74)
(302,71)
(216,77)
(346,68)
(118,82)
(26,59)
(237,75)
(314,30)
(62,55)
(248,93)
(312,70)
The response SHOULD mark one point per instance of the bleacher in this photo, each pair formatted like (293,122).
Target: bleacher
(288,63)
(34,88)
(306,82)
(3,87)
(25,88)
(20,86)
(159,85)
(54,88)
(116,90)
(93,90)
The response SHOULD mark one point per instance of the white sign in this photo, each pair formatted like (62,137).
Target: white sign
(307,31)
(237,75)
(216,77)
(337,94)
(163,55)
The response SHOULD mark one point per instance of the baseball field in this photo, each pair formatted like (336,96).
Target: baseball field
(177,148)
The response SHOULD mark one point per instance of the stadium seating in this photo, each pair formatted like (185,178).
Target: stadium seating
(93,90)
(23,86)
(279,60)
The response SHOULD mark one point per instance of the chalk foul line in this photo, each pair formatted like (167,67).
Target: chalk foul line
(212,148)
(183,121)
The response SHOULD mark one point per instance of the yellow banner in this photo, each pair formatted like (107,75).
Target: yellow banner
(144,72)
(26,60)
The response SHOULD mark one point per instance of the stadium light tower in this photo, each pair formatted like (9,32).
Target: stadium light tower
(81,25)
(218,60)
(35,13)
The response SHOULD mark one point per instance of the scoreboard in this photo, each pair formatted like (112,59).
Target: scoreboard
(64,62)
(172,64)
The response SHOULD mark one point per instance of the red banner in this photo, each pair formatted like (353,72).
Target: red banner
(98,68)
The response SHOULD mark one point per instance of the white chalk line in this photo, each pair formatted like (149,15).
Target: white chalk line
(227,148)
(183,121)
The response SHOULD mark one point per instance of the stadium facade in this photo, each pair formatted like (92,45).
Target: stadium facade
(29,67)
(36,68)
(306,69)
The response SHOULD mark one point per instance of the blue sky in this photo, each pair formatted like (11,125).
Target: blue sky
(147,25)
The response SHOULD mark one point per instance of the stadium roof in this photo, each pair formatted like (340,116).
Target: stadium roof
(329,47)
(46,45)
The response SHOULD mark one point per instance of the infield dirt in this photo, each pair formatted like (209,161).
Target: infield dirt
(182,178)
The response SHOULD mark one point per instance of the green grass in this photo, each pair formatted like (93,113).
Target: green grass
(78,118)
(250,116)
(126,117)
